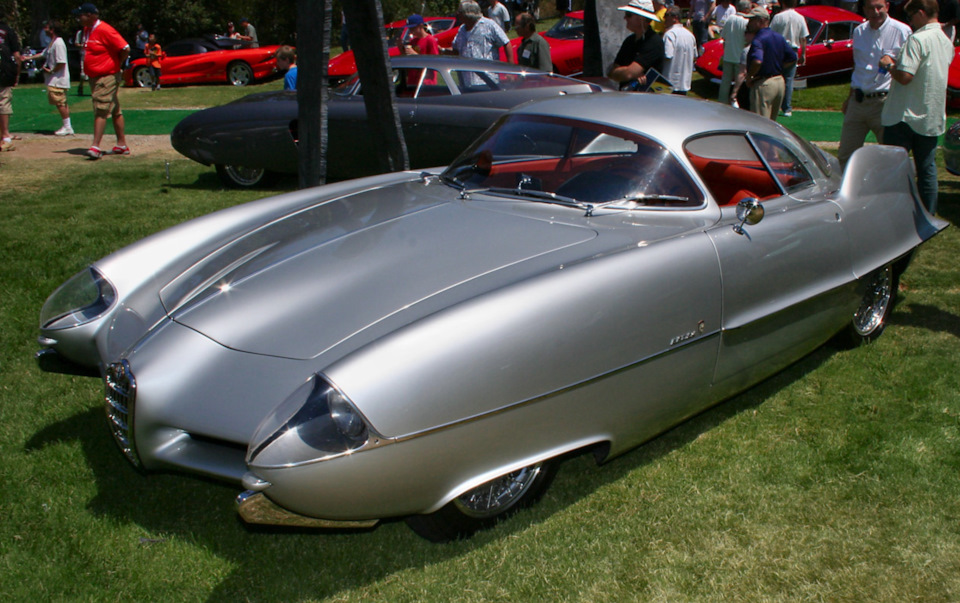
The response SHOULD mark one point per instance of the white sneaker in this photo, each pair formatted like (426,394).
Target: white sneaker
(788,113)
(735,104)
(64,131)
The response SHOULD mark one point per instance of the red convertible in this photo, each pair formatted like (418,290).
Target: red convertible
(829,45)
(344,65)
(206,60)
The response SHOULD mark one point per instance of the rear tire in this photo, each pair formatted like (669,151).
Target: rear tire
(239,73)
(872,316)
(238,176)
(485,505)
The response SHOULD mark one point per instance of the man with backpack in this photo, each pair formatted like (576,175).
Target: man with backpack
(9,76)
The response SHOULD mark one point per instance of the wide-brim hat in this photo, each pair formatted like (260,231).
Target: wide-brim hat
(644,8)
(758,12)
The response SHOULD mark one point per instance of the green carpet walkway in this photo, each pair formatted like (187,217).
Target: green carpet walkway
(33,114)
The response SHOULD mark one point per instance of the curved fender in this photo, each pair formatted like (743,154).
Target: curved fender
(884,215)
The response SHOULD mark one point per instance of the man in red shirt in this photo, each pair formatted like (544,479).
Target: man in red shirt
(105,52)
(420,41)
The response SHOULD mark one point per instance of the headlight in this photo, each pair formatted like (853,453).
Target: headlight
(81,299)
(317,421)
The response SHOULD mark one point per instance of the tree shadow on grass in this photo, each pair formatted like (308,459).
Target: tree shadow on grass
(287,564)
(208,180)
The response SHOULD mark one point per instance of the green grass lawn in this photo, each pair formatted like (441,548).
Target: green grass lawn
(837,479)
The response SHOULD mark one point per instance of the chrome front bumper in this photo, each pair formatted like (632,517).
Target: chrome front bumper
(256,508)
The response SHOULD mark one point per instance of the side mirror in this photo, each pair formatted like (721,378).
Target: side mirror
(749,211)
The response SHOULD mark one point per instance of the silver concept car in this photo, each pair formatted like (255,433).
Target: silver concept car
(590,272)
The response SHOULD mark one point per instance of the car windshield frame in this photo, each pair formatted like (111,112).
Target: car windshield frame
(567,28)
(575,163)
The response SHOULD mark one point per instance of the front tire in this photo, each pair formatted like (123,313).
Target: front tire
(872,316)
(238,176)
(239,74)
(142,78)
(485,505)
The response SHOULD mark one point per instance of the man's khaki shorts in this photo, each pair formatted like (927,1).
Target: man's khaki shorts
(6,95)
(105,101)
(56,96)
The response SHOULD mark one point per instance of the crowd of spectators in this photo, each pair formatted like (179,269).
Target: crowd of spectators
(902,53)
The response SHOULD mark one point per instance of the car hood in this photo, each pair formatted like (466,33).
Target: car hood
(352,269)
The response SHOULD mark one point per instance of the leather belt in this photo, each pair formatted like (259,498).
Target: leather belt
(860,94)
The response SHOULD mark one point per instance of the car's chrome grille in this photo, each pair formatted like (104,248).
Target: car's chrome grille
(120,400)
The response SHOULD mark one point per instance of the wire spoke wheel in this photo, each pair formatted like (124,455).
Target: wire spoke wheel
(876,301)
(485,505)
(238,176)
(497,496)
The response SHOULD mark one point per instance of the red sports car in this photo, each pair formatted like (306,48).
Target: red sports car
(953,82)
(344,65)
(829,45)
(566,43)
(209,59)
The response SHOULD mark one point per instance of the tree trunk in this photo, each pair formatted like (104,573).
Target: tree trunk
(368,42)
(313,54)
(592,51)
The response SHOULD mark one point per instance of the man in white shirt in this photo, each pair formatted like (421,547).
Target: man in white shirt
(723,10)
(793,27)
(734,39)
(499,14)
(56,74)
(914,115)
(679,51)
(880,35)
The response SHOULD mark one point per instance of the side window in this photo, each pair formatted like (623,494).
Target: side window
(730,168)
(838,32)
(475,81)
(787,167)
(813,27)
(419,83)
(184,49)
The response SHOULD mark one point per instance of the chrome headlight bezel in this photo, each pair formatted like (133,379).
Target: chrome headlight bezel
(316,422)
(84,297)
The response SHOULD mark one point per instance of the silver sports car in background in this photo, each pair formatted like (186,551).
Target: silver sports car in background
(428,345)
(444,104)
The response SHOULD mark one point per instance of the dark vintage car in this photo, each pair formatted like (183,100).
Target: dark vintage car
(344,64)
(431,345)
(211,59)
(444,104)
(951,149)
(829,45)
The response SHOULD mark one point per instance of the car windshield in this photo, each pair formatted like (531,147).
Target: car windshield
(566,28)
(569,162)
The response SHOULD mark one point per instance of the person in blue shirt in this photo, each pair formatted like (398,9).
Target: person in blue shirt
(769,55)
(287,63)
